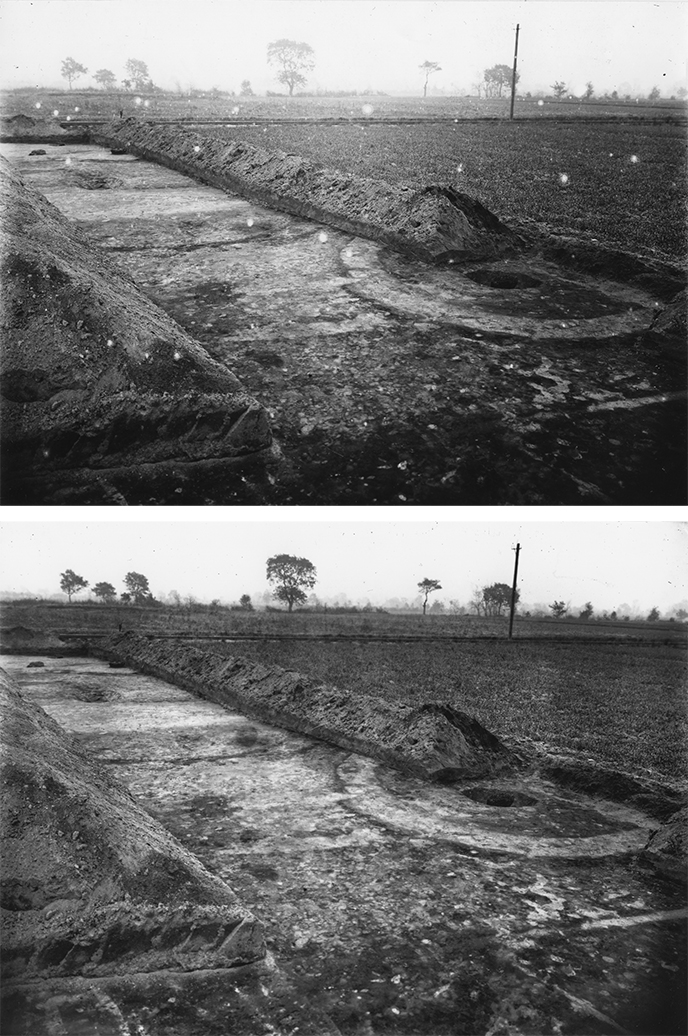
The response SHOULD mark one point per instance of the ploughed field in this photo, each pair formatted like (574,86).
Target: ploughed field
(624,182)
(620,704)
(612,691)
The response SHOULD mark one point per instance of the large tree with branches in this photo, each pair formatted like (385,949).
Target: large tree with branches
(292,59)
(71,583)
(291,577)
(71,69)
(496,78)
(427,587)
(427,68)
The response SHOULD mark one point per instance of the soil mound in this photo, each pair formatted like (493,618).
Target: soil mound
(21,640)
(30,129)
(91,884)
(434,740)
(96,379)
(435,223)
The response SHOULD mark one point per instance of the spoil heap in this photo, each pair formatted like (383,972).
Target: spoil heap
(92,886)
(435,223)
(433,740)
(21,640)
(97,382)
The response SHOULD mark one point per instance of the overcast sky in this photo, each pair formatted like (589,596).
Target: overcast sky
(642,564)
(359,44)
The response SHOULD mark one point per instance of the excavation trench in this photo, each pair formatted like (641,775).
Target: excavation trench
(498,377)
(388,901)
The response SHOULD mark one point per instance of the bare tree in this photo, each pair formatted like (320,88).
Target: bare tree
(559,609)
(559,89)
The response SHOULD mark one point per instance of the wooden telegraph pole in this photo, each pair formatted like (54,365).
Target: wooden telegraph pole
(513,593)
(513,79)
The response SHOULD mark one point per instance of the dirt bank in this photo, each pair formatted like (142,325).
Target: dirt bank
(434,740)
(21,640)
(96,378)
(92,886)
(436,223)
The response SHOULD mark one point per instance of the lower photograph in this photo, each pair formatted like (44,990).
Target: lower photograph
(343,778)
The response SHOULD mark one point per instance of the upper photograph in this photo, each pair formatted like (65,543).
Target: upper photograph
(295,252)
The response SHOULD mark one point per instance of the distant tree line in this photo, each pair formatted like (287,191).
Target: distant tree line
(137,75)
(290,578)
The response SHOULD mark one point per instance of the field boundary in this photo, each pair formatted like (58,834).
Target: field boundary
(659,641)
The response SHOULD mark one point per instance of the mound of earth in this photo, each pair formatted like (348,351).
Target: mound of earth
(21,640)
(91,884)
(433,740)
(32,129)
(435,223)
(96,380)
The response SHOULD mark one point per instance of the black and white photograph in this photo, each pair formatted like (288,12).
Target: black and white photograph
(343,518)
(344,777)
(343,253)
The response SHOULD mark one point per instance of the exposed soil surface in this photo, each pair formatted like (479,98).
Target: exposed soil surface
(433,740)
(391,905)
(96,378)
(389,380)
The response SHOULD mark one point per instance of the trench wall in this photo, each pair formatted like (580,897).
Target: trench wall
(434,741)
(435,223)
(96,379)
(91,884)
